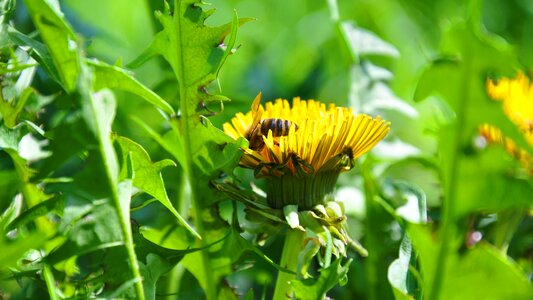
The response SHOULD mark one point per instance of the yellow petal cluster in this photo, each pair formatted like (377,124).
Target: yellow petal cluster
(517,96)
(493,135)
(320,138)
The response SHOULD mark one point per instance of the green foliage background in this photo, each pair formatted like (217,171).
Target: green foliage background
(420,64)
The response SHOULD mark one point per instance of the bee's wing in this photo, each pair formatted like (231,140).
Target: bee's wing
(257,110)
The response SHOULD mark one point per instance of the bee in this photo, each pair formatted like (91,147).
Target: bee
(260,127)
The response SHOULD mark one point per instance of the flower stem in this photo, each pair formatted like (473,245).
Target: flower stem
(174,281)
(50,282)
(289,260)
(451,149)
(374,266)
(190,118)
(125,227)
(176,274)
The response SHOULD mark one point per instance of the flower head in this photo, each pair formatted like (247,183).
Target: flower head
(316,135)
(517,96)
(307,142)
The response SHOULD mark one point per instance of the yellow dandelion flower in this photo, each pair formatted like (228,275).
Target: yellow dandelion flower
(493,135)
(517,96)
(303,147)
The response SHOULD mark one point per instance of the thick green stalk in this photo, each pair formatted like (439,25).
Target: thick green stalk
(341,33)
(130,247)
(121,210)
(449,228)
(375,266)
(188,117)
(211,287)
(176,274)
(447,232)
(50,282)
(174,282)
(289,260)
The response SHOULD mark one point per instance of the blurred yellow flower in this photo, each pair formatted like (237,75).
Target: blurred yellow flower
(304,141)
(493,135)
(517,96)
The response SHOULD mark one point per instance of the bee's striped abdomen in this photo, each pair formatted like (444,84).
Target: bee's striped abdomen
(279,127)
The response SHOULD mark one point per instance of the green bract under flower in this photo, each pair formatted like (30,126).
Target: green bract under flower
(301,149)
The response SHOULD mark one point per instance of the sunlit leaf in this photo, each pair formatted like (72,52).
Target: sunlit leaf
(214,151)
(196,53)
(172,142)
(39,52)
(414,209)
(148,175)
(197,63)
(10,213)
(99,229)
(59,39)
(145,247)
(15,250)
(291,216)
(96,113)
(31,149)
(9,138)
(12,105)
(33,195)
(399,271)
(107,76)
(328,278)
(470,271)
(154,268)
(156,260)
(41,209)
(495,190)
(224,254)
